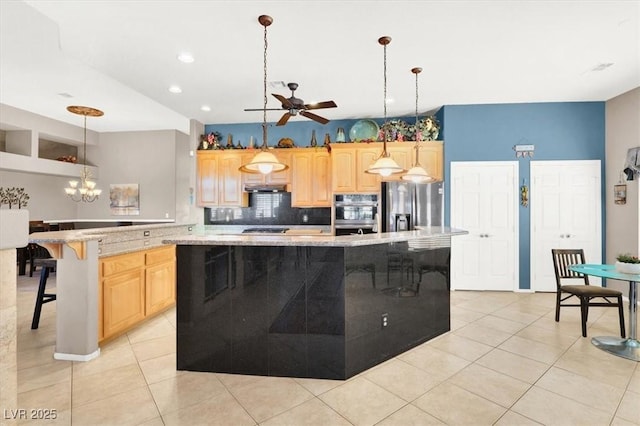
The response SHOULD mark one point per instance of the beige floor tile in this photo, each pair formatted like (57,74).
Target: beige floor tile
(111,357)
(318,386)
(531,349)
(270,396)
(410,415)
(155,327)
(546,336)
(236,381)
(105,384)
(36,357)
(310,413)
(127,408)
(184,390)
(585,359)
(153,422)
(457,324)
(513,314)
(42,376)
(482,305)
(170,315)
(362,402)
(550,408)
(486,335)
(514,419)
(489,384)
(617,421)
(500,324)
(568,326)
(434,361)
(52,417)
(634,384)
(444,402)
(220,410)
(461,346)
(516,366)
(581,389)
(466,315)
(630,407)
(154,348)
(161,368)
(57,396)
(403,379)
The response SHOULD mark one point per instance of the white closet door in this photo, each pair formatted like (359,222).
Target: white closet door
(565,202)
(484,202)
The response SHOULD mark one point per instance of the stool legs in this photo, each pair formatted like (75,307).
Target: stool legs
(42,297)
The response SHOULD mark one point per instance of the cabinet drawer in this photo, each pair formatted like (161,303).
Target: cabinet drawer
(121,263)
(163,254)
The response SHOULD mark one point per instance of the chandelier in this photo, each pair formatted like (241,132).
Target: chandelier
(85,189)
(417,173)
(264,162)
(384,165)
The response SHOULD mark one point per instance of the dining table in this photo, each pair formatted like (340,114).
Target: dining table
(624,347)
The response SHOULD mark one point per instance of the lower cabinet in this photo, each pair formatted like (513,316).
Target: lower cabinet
(134,286)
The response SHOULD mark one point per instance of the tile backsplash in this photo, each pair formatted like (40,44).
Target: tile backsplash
(268,209)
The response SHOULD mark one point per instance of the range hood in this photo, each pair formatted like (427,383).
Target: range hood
(265,188)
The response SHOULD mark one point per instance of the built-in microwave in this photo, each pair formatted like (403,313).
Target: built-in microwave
(355,213)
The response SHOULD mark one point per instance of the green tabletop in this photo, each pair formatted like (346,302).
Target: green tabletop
(604,271)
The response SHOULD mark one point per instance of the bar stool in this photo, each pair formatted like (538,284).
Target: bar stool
(42,297)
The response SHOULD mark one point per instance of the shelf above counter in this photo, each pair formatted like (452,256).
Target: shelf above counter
(25,164)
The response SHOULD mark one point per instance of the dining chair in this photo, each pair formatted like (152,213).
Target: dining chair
(562,259)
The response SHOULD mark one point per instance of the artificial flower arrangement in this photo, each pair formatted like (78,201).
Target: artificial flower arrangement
(428,128)
(395,130)
(210,141)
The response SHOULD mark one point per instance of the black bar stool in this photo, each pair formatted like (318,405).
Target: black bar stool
(42,297)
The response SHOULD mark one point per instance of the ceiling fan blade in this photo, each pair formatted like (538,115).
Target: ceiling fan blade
(284,101)
(314,117)
(263,109)
(319,105)
(283,120)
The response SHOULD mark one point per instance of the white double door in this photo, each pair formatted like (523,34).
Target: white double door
(565,214)
(484,202)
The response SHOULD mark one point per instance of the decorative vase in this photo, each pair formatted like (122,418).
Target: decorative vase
(327,139)
(314,141)
(628,268)
(229,141)
(340,137)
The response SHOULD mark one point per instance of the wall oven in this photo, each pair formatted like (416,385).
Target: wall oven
(355,213)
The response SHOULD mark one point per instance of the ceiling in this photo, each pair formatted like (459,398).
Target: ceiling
(120,56)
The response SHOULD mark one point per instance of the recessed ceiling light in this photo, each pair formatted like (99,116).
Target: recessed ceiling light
(205,108)
(185,57)
(175,89)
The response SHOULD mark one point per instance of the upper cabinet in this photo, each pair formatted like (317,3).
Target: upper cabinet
(219,182)
(311,178)
(280,178)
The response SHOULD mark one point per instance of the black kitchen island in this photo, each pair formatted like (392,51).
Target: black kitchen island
(320,307)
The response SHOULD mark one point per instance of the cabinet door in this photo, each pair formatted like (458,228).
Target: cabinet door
(301,179)
(123,300)
(284,177)
(230,193)
(160,286)
(343,170)
(366,182)
(321,179)
(403,154)
(432,159)
(207,179)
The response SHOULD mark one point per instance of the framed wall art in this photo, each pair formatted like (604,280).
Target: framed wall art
(124,199)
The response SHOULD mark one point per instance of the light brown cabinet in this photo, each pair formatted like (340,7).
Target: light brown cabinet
(134,286)
(310,178)
(219,182)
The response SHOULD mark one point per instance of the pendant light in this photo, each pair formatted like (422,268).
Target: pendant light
(417,173)
(384,165)
(264,162)
(85,189)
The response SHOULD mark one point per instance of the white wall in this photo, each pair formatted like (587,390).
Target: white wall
(623,221)
(47,199)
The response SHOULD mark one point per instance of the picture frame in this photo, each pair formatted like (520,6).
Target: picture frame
(620,194)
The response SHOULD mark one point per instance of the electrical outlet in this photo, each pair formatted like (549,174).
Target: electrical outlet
(385,320)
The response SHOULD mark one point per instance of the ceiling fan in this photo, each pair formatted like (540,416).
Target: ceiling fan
(297,106)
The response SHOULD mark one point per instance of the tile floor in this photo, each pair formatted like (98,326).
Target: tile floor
(505,362)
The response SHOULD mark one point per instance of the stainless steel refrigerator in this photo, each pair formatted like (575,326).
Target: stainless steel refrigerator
(406,205)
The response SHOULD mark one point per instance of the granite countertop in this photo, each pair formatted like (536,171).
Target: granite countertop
(76,235)
(216,239)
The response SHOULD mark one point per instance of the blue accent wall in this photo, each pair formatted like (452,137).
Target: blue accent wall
(559,131)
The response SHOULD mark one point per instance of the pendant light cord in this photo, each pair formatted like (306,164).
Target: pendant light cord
(84,156)
(264,93)
(417,71)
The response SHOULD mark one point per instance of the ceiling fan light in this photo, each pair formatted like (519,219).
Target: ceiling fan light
(417,174)
(384,166)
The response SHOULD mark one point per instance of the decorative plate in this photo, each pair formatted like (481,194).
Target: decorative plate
(364,130)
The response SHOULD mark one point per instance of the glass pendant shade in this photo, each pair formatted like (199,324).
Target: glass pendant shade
(417,174)
(264,162)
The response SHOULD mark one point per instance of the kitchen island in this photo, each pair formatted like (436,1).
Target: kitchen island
(308,306)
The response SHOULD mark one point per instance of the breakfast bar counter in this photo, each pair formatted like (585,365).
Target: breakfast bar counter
(308,306)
